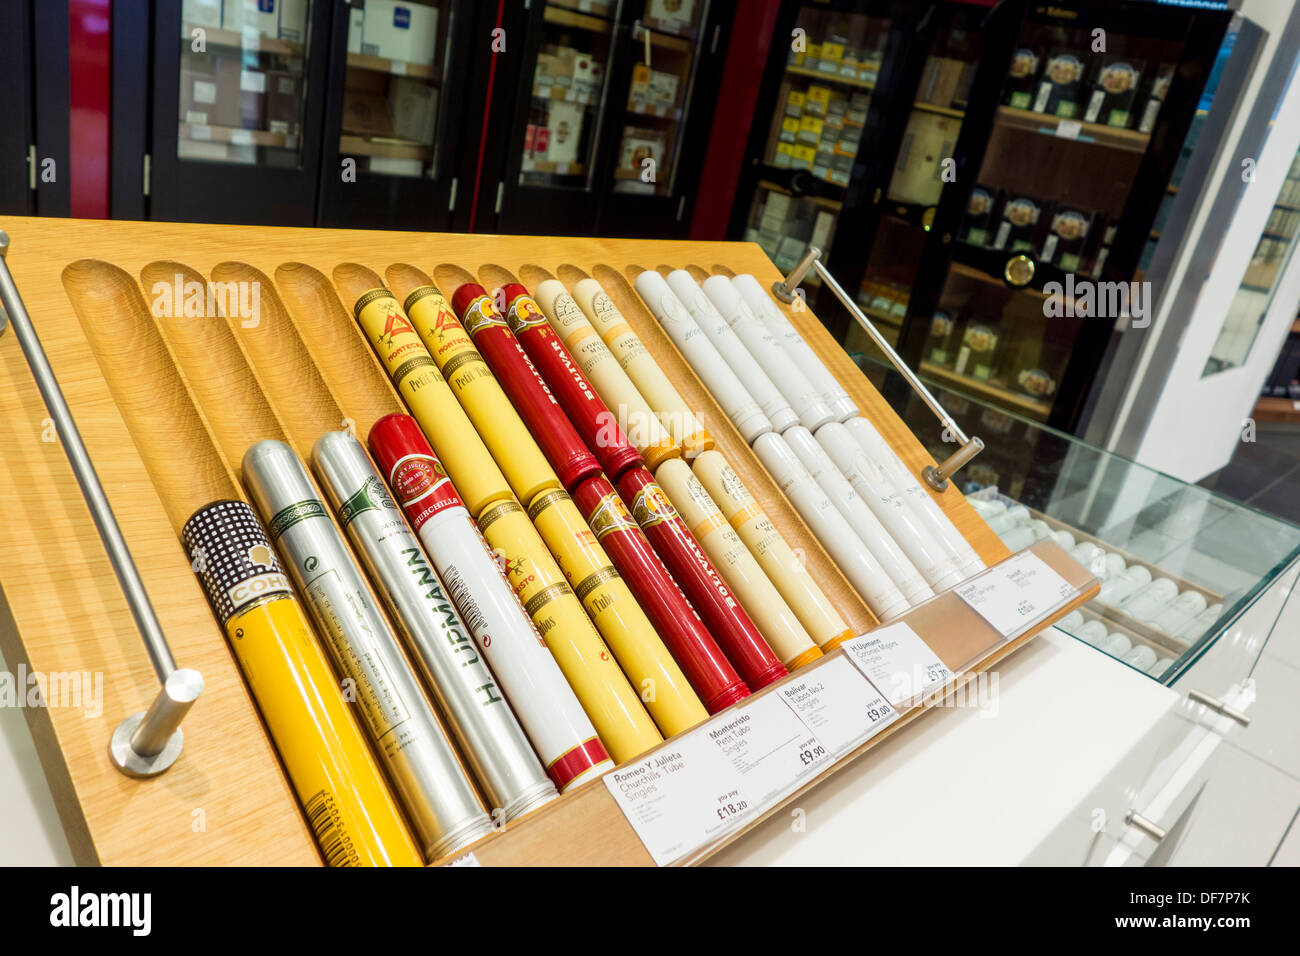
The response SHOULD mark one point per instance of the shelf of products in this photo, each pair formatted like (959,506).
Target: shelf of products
(1066,128)
(379,64)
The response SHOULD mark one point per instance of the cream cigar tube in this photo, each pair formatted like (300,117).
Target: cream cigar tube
(733,350)
(606,375)
(937,566)
(702,356)
(923,506)
(760,598)
(800,352)
(837,536)
(773,553)
(803,397)
(860,518)
(673,413)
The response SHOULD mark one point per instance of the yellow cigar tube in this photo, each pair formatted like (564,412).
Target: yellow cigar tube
(352,815)
(587,664)
(618,617)
(778,561)
(683,427)
(606,375)
(759,597)
(417,377)
(476,388)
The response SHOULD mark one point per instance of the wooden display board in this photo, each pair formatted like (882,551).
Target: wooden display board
(304,369)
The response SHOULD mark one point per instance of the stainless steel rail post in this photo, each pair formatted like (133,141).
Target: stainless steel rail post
(936,476)
(146,743)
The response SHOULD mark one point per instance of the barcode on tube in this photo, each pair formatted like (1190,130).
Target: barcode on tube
(335,845)
(465,603)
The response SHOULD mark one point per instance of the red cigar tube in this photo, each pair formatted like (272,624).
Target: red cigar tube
(698,655)
(726,620)
(525,387)
(589,414)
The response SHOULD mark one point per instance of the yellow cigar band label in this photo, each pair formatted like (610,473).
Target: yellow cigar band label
(651,506)
(807,657)
(578,336)
(743,515)
(697,443)
(611,515)
(354,818)
(396,341)
(710,524)
(593,581)
(545,500)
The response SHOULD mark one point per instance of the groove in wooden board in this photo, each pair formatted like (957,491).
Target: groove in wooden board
(593,830)
(876,410)
(492,277)
(138,371)
(739,455)
(404,278)
(290,381)
(338,349)
(448,276)
(532,276)
(214,368)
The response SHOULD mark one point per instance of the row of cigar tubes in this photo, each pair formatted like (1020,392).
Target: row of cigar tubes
(572,585)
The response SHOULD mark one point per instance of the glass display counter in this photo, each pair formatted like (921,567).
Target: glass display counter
(1179,564)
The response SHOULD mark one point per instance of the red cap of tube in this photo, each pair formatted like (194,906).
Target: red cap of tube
(596,425)
(683,633)
(526,389)
(727,621)
(419,482)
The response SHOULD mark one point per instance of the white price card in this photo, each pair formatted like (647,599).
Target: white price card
(1069,129)
(839,705)
(692,791)
(1016,592)
(901,665)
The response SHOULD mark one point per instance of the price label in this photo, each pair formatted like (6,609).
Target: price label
(901,665)
(1069,129)
(691,792)
(839,705)
(1016,593)
(200,132)
(241,137)
(397,67)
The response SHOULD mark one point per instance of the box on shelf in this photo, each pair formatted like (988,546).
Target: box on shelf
(366,114)
(293,20)
(253,16)
(283,97)
(400,31)
(413,107)
(201,13)
(198,89)
(639,145)
(675,15)
(356,27)
(563,131)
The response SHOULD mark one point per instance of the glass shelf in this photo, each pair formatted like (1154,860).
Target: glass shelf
(1119,519)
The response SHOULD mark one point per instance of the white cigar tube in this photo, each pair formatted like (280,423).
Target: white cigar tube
(634,414)
(937,566)
(779,624)
(758,339)
(702,356)
(1141,657)
(800,352)
(861,519)
(846,549)
(773,553)
(926,508)
(683,427)
(733,350)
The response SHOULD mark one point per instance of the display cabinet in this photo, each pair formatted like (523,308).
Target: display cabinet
(1016,156)
(599,127)
(1179,565)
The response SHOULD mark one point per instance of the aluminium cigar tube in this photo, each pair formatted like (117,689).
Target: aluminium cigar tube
(799,351)
(353,817)
(1147,602)
(595,425)
(1201,623)
(1116,589)
(433,789)
(534,402)
(606,375)
(702,356)
(737,635)
(494,418)
(474,707)
(1140,657)
(1180,612)
(430,399)
(757,338)
(558,727)
(606,597)
(705,666)
(937,565)
(587,663)
(923,506)
(774,555)
(779,624)
(756,381)
(683,428)
(858,516)
(837,536)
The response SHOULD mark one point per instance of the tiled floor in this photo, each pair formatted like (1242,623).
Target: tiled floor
(1265,473)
